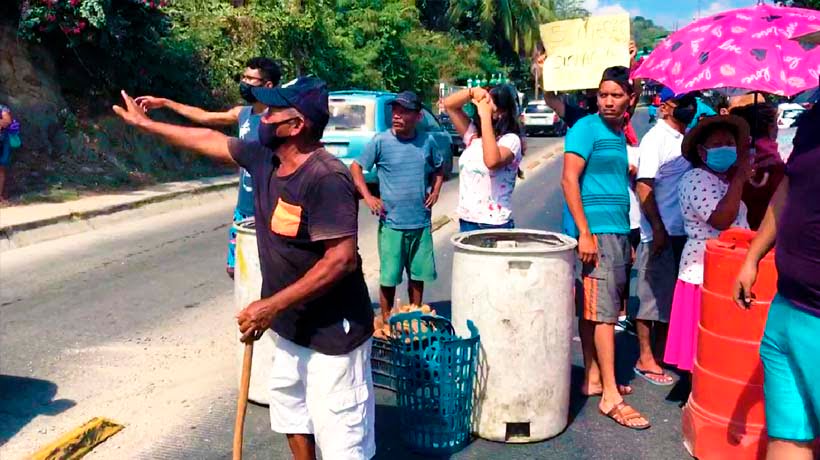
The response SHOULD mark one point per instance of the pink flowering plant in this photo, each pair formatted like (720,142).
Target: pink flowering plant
(80,21)
(112,44)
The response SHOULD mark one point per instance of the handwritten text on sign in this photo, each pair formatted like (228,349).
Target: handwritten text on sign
(579,50)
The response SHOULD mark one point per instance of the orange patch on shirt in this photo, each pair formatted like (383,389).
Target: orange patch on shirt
(286,219)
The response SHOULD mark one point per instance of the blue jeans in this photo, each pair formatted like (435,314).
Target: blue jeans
(467,226)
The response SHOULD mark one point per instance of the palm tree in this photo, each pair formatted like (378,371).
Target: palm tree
(517,21)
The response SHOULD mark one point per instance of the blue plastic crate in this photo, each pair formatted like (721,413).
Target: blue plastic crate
(435,374)
(381,362)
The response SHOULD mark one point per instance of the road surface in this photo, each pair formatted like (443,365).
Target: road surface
(135,322)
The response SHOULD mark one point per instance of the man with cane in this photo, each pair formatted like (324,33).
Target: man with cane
(313,291)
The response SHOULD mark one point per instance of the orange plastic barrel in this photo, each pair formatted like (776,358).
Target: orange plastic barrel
(724,418)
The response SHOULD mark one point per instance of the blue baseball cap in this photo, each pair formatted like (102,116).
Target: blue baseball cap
(667,94)
(408,100)
(308,95)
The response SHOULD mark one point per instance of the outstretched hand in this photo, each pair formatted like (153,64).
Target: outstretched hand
(150,102)
(132,114)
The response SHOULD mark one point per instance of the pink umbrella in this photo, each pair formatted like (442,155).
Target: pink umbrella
(749,48)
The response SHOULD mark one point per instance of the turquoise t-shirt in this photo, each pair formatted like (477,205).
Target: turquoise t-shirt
(702,110)
(605,180)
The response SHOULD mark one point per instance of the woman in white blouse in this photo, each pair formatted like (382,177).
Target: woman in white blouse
(710,200)
(488,167)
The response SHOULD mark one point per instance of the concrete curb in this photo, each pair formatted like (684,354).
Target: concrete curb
(73,222)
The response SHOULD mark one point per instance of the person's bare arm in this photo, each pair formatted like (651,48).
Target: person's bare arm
(438,181)
(555,102)
(644,188)
(374,203)
(5,119)
(574,166)
(637,87)
(726,211)
(195,114)
(200,140)
(339,260)
(454,104)
(495,156)
(762,243)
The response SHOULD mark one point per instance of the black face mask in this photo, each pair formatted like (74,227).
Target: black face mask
(685,113)
(246,91)
(268,137)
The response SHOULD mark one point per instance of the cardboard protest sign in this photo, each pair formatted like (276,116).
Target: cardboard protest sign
(579,50)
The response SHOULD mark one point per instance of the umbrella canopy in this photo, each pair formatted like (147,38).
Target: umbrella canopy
(749,48)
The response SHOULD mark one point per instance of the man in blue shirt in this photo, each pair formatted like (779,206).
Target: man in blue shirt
(259,72)
(404,161)
(595,183)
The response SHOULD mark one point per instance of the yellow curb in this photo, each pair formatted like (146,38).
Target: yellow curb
(80,441)
(440,221)
(532,165)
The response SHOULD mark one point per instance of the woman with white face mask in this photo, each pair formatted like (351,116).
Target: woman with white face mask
(710,201)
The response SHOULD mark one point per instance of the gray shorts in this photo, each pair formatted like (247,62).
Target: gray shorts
(657,276)
(600,289)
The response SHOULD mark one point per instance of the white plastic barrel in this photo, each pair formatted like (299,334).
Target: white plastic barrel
(247,288)
(517,288)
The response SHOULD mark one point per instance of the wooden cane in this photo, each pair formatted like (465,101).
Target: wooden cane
(242,402)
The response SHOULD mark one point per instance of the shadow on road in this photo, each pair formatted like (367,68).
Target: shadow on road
(389,445)
(443,308)
(577,400)
(22,399)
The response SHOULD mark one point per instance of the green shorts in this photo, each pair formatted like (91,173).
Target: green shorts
(406,250)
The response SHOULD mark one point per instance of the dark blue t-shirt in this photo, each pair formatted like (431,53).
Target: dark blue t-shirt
(295,215)
(248,131)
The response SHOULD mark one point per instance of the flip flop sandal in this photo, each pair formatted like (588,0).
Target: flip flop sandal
(617,412)
(645,375)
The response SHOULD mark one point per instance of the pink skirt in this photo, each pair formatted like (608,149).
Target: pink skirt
(682,340)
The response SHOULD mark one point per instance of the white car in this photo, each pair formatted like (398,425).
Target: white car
(787,114)
(539,118)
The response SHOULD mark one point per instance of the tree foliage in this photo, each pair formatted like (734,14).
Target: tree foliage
(811,4)
(192,50)
(645,32)
(512,24)
(569,9)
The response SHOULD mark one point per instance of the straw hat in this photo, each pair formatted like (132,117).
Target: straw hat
(697,135)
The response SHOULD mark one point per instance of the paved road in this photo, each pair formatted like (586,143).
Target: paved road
(130,322)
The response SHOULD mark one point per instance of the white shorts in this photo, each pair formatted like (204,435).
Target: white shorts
(330,397)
